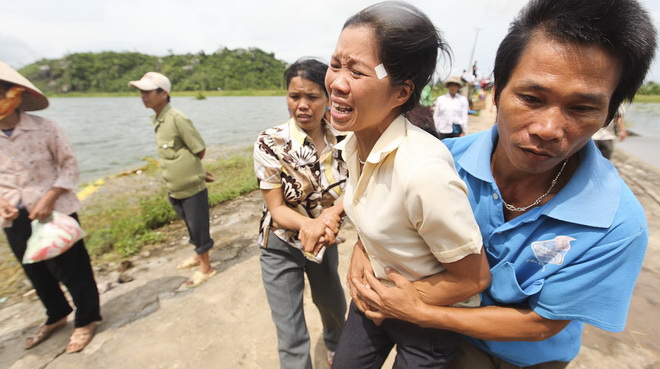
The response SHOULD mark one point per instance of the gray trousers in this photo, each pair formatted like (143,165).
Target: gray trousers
(283,269)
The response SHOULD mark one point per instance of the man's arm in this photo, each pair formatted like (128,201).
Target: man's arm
(459,281)
(622,133)
(497,323)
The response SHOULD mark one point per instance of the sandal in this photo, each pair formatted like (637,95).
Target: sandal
(199,278)
(43,333)
(188,263)
(81,337)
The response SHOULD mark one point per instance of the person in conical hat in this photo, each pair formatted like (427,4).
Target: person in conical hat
(451,110)
(38,175)
(29,97)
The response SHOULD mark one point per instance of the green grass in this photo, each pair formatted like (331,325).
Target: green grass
(121,226)
(647,98)
(177,93)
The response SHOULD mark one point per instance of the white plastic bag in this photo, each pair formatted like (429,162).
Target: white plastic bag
(52,237)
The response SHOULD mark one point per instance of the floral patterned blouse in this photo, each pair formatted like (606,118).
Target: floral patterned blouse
(285,157)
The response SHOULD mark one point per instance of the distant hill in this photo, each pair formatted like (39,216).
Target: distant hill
(225,69)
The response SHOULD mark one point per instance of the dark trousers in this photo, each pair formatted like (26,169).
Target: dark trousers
(72,268)
(194,211)
(365,345)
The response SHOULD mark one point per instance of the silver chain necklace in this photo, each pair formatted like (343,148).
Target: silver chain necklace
(538,201)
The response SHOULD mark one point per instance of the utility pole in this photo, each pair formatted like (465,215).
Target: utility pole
(467,91)
(474,46)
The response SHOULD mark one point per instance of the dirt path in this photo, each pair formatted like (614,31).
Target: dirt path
(150,322)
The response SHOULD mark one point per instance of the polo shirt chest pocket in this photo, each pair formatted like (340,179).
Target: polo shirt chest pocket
(166,149)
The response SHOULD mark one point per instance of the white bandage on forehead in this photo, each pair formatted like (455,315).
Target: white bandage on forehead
(380,71)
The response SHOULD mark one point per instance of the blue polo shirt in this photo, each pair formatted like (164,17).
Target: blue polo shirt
(575,258)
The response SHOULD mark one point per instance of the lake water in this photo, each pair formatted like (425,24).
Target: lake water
(643,119)
(115,134)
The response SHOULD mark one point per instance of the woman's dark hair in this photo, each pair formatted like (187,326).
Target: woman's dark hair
(309,69)
(408,44)
(622,27)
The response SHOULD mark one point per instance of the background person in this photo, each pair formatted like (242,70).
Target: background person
(301,176)
(180,150)
(606,136)
(404,196)
(39,174)
(565,236)
(451,111)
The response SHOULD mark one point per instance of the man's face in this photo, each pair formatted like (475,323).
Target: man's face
(154,100)
(556,98)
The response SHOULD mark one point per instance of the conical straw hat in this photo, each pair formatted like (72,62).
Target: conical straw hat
(33,98)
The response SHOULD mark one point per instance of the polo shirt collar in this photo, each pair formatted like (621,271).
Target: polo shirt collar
(299,136)
(157,120)
(387,142)
(476,159)
(591,197)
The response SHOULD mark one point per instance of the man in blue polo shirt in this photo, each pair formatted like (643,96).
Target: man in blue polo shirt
(564,234)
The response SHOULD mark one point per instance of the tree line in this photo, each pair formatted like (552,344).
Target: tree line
(225,69)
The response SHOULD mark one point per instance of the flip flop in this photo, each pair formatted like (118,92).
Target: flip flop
(81,337)
(199,278)
(188,263)
(43,333)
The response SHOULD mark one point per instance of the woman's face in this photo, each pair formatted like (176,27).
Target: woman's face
(359,99)
(307,103)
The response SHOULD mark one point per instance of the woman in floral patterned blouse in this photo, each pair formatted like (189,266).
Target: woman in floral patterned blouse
(301,177)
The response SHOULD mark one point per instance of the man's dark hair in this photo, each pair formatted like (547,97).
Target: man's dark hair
(408,44)
(160,91)
(622,27)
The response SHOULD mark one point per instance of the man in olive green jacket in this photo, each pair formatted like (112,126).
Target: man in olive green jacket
(181,149)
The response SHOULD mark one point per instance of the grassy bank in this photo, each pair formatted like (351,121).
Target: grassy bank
(647,99)
(178,93)
(128,212)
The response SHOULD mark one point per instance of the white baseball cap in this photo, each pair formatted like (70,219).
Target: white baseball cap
(151,81)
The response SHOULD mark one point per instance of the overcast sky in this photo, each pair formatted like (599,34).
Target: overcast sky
(32,30)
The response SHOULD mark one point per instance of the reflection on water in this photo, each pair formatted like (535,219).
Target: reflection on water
(643,119)
(113,134)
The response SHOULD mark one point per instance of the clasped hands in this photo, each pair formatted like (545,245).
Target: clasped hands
(319,232)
